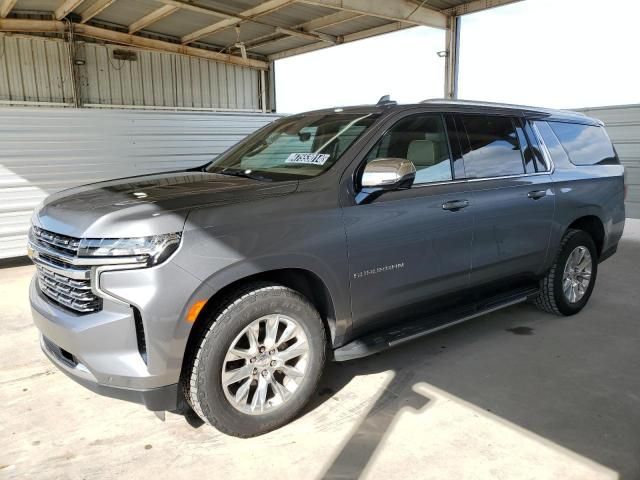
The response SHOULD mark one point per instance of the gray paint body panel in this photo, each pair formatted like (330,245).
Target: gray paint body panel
(623,126)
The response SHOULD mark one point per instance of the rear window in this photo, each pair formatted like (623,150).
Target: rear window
(494,149)
(585,144)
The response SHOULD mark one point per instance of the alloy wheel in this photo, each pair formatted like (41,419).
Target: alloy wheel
(265,364)
(577,274)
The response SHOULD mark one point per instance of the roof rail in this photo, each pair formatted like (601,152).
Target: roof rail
(446,101)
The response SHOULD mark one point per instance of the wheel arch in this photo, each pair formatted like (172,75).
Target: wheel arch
(593,225)
(302,280)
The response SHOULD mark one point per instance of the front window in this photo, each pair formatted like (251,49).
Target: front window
(301,146)
(420,139)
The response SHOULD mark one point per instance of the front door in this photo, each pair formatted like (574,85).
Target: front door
(408,247)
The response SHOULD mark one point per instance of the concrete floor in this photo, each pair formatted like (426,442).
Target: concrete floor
(516,394)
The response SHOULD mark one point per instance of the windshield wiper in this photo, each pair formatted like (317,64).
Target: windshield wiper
(242,173)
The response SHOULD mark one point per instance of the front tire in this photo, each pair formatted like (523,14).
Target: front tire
(568,285)
(258,362)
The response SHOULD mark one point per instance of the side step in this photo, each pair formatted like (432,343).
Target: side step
(399,334)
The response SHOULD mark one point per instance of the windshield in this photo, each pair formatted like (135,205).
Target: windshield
(301,146)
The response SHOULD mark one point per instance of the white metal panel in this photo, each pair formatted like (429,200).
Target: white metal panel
(44,150)
(34,70)
(623,125)
(165,80)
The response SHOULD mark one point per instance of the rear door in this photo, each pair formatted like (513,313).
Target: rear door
(513,198)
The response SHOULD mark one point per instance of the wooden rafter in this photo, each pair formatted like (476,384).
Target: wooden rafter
(370,32)
(198,8)
(261,9)
(155,16)
(111,36)
(323,37)
(6,6)
(94,9)
(66,8)
(311,26)
(398,10)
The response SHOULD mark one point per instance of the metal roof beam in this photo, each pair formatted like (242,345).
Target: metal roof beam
(329,20)
(370,32)
(323,37)
(94,10)
(111,36)
(261,9)
(197,8)
(66,8)
(310,26)
(476,6)
(155,16)
(398,10)
(6,6)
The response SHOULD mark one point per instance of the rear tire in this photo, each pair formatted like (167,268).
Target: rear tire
(251,340)
(566,288)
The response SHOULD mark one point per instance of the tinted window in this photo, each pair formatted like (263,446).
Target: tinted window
(585,144)
(420,139)
(533,159)
(558,155)
(536,152)
(294,147)
(493,147)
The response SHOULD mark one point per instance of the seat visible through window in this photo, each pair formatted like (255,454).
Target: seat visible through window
(421,140)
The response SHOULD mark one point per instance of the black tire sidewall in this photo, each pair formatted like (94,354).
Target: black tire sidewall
(211,397)
(578,239)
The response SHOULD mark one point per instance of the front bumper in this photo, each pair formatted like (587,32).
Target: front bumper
(100,350)
(156,399)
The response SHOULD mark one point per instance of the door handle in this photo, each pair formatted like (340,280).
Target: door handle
(455,205)
(536,194)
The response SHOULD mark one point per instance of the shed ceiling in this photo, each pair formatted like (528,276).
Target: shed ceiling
(265,30)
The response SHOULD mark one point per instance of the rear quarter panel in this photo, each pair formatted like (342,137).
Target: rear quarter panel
(589,190)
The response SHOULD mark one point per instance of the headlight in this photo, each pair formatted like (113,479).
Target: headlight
(152,250)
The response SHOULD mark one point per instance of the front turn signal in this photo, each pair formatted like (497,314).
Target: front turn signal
(195,310)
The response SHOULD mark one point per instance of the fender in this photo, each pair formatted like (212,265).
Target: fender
(249,267)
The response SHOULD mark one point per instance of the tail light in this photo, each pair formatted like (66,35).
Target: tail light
(625,186)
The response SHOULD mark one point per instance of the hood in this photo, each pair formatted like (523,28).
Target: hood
(146,205)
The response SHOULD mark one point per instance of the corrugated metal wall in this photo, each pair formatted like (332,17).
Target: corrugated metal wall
(36,69)
(43,150)
(165,80)
(623,125)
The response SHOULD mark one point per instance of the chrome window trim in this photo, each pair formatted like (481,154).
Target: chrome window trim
(483,179)
(545,151)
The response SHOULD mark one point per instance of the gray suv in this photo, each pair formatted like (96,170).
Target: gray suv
(333,234)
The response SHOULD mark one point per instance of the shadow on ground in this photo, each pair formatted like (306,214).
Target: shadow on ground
(572,380)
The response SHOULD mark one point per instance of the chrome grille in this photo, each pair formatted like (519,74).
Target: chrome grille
(59,279)
(55,241)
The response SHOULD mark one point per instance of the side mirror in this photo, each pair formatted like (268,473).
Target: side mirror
(388,174)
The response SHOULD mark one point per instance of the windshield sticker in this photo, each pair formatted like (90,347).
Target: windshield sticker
(308,158)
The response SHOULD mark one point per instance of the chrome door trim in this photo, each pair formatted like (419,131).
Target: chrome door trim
(545,151)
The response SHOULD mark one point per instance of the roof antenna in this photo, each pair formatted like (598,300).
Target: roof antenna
(386,100)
